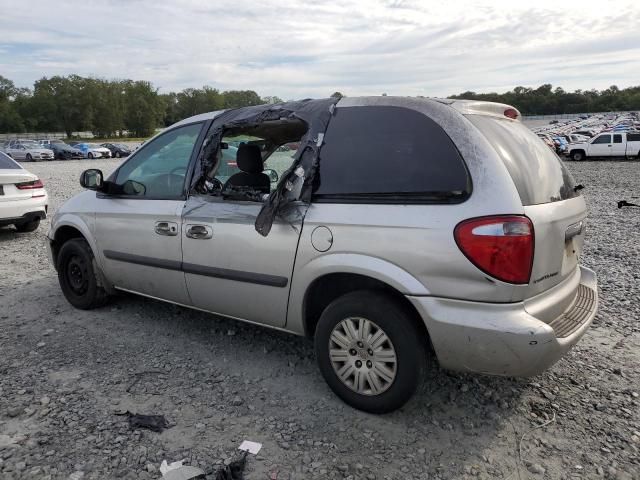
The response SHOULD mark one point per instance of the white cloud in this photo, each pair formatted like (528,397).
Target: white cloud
(298,49)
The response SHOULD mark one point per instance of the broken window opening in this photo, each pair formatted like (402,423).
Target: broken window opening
(252,158)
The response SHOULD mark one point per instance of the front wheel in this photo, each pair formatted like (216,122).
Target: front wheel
(369,351)
(29,158)
(78,277)
(577,156)
(90,155)
(117,154)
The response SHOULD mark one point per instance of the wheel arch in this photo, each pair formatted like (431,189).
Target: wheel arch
(325,288)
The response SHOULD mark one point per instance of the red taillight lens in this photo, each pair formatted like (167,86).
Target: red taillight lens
(30,185)
(511,113)
(501,246)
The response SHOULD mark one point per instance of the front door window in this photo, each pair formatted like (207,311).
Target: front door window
(160,168)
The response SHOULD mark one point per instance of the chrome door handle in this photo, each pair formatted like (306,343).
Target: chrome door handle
(199,232)
(169,229)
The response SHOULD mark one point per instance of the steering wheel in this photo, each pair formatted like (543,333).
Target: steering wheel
(174,172)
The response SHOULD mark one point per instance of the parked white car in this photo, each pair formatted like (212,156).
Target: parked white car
(607,144)
(28,150)
(91,150)
(23,199)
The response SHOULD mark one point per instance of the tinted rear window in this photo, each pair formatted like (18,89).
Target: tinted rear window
(537,172)
(7,163)
(633,137)
(392,153)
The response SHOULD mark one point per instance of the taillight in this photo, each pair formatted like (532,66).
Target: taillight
(511,113)
(30,185)
(33,185)
(501,246)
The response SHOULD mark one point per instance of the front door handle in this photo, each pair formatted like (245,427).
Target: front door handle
(169,229)
(199,232)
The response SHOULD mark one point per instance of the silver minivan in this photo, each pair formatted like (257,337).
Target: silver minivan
(391,230)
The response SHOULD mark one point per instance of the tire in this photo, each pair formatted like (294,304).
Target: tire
(404,344)
(78,277)
(60,156)
(26,227)
(577,156)
(28,158)
(116,155)
(90,155)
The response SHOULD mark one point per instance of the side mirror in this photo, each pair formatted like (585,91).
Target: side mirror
(91,179)
(273,175)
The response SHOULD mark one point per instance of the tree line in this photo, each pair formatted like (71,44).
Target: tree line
(108,108)
(545,100)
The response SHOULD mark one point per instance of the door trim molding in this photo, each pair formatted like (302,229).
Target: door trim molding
(224,273)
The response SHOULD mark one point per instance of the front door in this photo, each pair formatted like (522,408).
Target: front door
(601,146)
(138,223)
(232,270)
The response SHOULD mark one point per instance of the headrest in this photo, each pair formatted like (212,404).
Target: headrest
(249,158)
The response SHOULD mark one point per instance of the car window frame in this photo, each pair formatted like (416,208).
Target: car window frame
(190,165)
(594,142)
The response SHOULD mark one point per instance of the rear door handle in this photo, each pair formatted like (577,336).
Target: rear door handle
(199,232)
(169,229)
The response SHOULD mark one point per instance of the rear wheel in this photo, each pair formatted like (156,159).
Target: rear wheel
(577,156)
(78,277)
(369,351)
(90,155)
(29,226)
(117,154)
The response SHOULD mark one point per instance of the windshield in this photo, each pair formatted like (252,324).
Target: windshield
(31,144)
(537,172)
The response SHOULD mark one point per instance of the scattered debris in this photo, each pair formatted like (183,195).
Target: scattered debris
(184,472)
(624,203)
(233,471)
(251,447)
(165,467)
(155,423)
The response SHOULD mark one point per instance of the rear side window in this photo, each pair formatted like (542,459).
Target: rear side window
(389,154)
(633,137)
(7,164)
(617,139)
(537,172)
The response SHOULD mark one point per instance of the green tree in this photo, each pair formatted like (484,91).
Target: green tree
(144,108)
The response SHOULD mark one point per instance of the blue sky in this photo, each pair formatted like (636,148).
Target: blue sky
(297,49)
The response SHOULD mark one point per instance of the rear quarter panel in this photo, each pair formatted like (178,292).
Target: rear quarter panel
(411,247)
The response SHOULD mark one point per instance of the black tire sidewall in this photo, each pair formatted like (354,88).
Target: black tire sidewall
(81,248)
(397,323)
(26,227)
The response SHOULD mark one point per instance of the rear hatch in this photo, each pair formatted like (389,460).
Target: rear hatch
(548,194)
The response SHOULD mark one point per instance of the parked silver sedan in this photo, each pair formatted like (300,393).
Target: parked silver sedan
(387,227)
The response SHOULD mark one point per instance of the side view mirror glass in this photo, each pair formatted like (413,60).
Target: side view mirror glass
(273,175)
(91,179)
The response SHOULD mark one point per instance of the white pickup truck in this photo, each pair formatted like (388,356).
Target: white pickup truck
(607,144)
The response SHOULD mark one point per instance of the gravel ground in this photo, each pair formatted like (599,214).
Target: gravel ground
(65,372)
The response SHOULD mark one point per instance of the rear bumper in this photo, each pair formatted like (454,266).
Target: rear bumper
(504,339)
(25,209)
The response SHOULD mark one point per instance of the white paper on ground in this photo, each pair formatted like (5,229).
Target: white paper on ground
(164,467)
(251,447)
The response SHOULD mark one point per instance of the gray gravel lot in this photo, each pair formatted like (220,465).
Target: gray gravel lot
(64,372)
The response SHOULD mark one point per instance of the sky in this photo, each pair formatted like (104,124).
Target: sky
(298,49)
